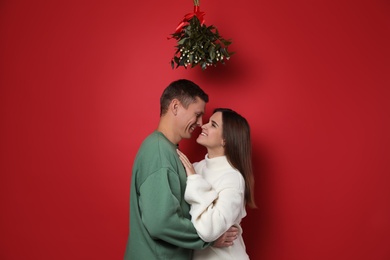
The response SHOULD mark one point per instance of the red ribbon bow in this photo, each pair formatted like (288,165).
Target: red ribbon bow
(188,17)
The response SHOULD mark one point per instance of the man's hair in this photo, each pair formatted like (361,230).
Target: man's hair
(183,90)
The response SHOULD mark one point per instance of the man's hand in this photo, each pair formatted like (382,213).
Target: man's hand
(227,238)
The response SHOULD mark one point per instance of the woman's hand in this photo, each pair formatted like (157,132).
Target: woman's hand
(186,163)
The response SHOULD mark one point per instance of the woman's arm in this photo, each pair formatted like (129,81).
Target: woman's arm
(213,212)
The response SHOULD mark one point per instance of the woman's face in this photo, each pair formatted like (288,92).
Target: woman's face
(211,135)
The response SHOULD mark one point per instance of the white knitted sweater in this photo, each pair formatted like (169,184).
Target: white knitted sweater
(216,196)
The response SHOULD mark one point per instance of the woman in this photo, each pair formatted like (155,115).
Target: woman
(219,187)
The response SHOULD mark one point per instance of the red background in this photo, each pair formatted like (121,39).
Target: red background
(79,90)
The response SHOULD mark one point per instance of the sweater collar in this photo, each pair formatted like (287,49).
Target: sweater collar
(219,162)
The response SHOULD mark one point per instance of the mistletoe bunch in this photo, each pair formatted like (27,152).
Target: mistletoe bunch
(198,44)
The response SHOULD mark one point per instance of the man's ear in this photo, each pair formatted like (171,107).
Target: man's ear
(174,106)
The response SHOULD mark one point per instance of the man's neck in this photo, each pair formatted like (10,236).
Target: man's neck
(168,133)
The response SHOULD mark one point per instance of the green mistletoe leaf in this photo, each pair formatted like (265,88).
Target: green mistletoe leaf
(199,45)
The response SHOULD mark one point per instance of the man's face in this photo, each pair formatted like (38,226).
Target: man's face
(190,118)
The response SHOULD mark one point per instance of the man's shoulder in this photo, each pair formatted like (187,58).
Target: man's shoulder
(156,149)
(153,137)
(155,154)
(154,141)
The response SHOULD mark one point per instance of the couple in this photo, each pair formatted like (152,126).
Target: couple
(184,211)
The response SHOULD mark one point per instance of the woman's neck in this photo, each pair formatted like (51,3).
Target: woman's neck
(212,153)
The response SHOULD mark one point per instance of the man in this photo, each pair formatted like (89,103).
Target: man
(160,225)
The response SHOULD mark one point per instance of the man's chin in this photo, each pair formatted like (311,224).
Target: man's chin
(187,136)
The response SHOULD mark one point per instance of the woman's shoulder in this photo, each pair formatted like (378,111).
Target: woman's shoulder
(232,178)
(199,165)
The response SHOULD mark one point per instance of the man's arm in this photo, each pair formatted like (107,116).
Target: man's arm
(162,214)
(227,239)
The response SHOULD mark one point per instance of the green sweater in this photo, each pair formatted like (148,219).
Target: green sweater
(160,223)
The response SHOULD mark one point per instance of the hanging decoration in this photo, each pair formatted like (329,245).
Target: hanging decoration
(198,44)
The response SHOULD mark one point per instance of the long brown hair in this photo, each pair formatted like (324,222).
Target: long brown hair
(238,148)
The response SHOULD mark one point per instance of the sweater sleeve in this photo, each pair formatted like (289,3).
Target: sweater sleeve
(162,214)
(214,212)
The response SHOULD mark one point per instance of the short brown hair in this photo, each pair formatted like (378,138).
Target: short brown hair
(185,91)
